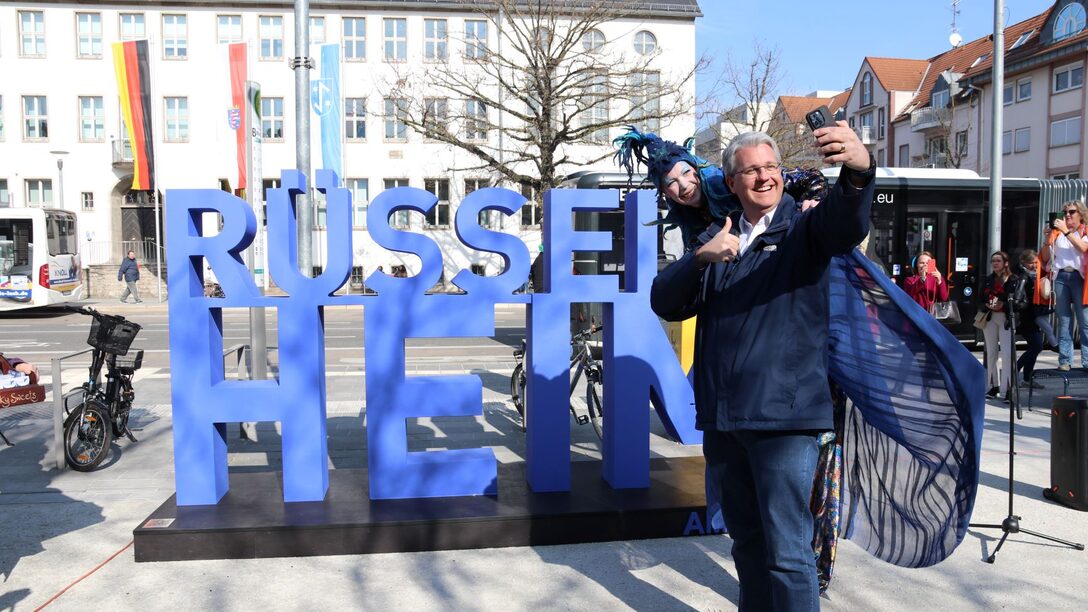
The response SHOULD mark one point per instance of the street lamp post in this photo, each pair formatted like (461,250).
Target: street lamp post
(60,176)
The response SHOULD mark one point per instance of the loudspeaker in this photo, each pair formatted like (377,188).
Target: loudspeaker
(1069,452)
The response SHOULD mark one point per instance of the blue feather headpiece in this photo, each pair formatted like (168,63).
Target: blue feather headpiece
(659,156)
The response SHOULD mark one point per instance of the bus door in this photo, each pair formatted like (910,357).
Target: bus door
(963,260)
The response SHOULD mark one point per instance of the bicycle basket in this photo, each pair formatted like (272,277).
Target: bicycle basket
(130,363)
(112,334)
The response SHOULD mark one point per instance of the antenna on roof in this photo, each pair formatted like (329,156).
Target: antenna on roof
(955,38)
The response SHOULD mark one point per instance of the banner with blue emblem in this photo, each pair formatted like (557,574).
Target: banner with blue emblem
(325,100)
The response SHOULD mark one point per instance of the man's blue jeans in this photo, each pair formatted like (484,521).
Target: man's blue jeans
(766,483)
(1069,292)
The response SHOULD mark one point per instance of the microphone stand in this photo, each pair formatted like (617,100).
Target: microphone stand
(1011,523)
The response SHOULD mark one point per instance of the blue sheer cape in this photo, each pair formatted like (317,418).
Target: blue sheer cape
(913,427)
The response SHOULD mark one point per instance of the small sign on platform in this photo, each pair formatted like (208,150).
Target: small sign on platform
(158,523)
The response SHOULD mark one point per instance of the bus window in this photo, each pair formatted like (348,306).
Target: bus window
(61,234)
(20,233)
(920,235)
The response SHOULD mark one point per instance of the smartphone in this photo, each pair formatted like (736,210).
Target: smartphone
(1051,218)
(821,117)
(931,266)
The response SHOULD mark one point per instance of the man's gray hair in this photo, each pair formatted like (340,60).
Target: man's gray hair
(747,139)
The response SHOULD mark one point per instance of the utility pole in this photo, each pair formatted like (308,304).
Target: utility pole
(301,63)
(995,134)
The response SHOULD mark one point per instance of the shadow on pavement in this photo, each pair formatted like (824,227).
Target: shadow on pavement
(33,511)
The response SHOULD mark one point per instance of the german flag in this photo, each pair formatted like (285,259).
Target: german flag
(134,88)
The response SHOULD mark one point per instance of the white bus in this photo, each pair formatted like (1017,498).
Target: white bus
(39,259)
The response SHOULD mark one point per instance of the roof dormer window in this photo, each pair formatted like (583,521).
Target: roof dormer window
(981,58)
(1070,21)
(1023,39)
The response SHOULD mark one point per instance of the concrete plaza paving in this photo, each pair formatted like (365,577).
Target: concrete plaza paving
(58,526)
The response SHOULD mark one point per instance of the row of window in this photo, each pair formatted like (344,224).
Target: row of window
(35,113)
(39,192)
(1063,132)
(1064,79)
(270,32)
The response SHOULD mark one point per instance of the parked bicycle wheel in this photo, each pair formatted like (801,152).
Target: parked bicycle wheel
(593,404)
(87,435)
(517,391)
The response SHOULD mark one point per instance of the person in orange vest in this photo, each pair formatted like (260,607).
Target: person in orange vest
(1065,251)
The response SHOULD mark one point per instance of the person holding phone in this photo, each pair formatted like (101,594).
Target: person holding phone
(997,335)
(760,282)
(1065,252)
(926,286)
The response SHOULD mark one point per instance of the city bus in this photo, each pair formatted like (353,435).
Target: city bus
(945,212)
(39,259)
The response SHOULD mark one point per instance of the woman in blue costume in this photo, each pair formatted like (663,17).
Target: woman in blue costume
(903,492)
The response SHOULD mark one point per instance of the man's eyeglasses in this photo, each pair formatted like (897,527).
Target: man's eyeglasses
(755,170)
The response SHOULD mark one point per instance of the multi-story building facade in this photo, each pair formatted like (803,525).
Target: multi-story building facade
(940,109)
(711,140)
(59,104)
(791,130)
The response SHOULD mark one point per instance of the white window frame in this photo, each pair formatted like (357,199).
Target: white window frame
(39,114)
(175,36)
(1008,94)
(354,117)
(881,123)
(475,44)
(593,40)
(1022,39)
(1067,24)
(360,199)
(645,42)
(1070,127)
(475,120)
(272,119)
(472,184)
(88,35)
(92,119)
(228,32)
(32,39)
(904,156)
(354,41)
(867,88)
(86,199)
(436,40)
(395,39)
(645,102)
(1020,85)
(36,190)
(5,194)
(400,219)
(1021,140)
(317,30)
(436,112)
(133,26)
(597,111)
(939,99)
(395,128)
(1069,176)
(1006,142)
(433,219)
(175,118)
(1070,71)
(270,30)
(961,143)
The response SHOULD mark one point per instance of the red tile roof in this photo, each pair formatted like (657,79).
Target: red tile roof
(896,74)
(796,107)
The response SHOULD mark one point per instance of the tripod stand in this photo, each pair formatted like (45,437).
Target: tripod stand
(1011,523)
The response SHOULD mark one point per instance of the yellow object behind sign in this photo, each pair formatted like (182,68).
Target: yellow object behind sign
(682,337)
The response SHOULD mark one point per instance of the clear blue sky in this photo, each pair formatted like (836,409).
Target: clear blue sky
(822,44)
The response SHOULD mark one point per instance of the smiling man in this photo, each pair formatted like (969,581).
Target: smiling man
(760,290)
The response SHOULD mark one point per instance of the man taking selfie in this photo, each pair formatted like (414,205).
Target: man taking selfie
(760,290)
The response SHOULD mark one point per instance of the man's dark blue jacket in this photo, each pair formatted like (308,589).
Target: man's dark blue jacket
(761,345)
(129,270)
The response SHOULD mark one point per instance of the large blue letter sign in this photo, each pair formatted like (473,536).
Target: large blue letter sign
(640,367)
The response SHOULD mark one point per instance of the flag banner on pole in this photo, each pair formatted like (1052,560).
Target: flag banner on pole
(325,99)
(237,117)
(130,62)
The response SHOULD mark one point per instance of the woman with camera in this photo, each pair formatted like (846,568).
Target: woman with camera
(926,286)
(1065,250)
(998,336)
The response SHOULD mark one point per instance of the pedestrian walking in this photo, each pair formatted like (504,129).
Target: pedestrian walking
(130,273)
(996,333)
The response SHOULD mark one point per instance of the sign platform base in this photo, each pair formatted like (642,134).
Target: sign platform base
(252,521)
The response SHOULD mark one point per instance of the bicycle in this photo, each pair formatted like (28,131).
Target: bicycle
(102,411)
(581,361)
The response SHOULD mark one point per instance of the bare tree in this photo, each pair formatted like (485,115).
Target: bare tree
(744,95)
(526,108)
